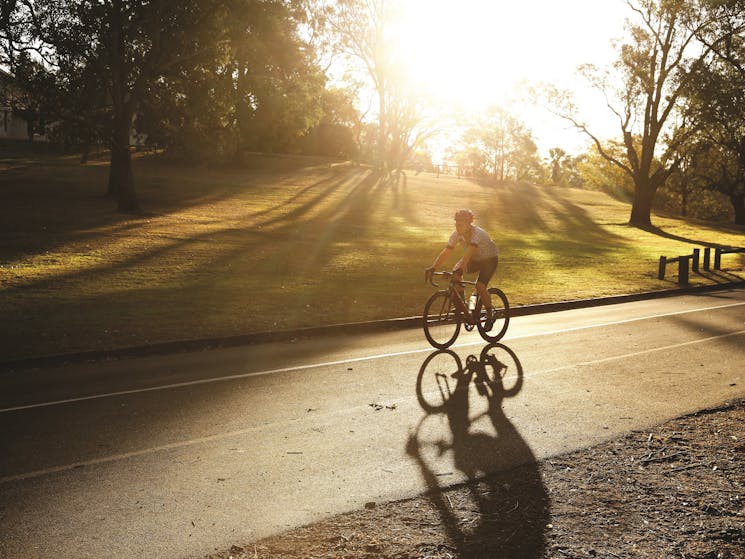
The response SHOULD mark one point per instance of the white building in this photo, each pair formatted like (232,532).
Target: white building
(12,124)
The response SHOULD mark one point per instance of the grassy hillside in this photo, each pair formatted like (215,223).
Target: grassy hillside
(289,243)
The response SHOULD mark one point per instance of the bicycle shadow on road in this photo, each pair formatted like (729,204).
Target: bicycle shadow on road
(503,508)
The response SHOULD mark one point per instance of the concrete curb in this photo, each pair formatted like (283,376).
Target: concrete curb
(329,331)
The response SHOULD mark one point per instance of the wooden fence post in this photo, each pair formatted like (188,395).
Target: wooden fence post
(707,258)
(663,263)
(694,262)
(717,258)
(683,270)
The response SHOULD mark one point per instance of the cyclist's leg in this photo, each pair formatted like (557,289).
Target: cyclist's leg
(486,269)
(483,290)
(459,296)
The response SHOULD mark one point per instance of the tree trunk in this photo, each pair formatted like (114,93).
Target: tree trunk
(501,158)
(738,203)
(121,180)
(382,131)
(641,206)
(86,148)
(243,112)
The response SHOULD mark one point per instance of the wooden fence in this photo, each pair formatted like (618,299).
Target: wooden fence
(724,250)
(691,261)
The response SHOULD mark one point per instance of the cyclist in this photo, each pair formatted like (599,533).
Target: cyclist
(481,255)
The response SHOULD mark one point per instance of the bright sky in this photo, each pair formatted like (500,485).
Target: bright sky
(473,53)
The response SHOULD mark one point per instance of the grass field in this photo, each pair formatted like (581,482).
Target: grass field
(287,243)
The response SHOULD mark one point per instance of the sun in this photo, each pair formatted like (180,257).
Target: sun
(475,53)
(451,55)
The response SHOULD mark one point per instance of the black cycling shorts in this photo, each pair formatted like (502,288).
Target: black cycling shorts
(485,268)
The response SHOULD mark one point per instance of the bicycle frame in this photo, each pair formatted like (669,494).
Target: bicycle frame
(447,310)
(454,294)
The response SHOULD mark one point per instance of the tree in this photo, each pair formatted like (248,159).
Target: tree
(409,124)
(500,145)
(360,28)
(598,173)
(262,90)
(334,135)
(652,70)
(278,86)
(563,168)
(725,37)
(716,103)
(16,33)
(363,30)
(130,45)
(32,93)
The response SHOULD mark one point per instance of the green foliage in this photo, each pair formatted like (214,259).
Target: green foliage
(715,107)
(31,93)
(598,173)
(334,135)
(360,32)
(261,91)
(213,79)
(564,169)
(498,144)
(693,201)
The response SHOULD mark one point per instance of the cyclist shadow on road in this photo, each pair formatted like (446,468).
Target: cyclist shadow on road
(503,508)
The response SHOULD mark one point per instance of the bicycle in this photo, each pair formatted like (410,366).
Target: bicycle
(446,310)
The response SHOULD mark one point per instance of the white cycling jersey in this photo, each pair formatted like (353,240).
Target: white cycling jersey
(485,247)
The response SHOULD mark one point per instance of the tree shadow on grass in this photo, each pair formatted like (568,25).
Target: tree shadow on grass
(314,195)
(48,205)
(528,209)
(655,230)
(313,230)
(517,207)
(326,201)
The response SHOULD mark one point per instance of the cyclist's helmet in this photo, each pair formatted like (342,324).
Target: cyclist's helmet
(464,215)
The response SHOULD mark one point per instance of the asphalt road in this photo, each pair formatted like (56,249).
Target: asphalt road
(176,456)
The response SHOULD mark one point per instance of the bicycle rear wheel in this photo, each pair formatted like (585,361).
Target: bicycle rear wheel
(500,314)
(441,322)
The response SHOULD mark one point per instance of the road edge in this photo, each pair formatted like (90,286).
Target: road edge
(393,324)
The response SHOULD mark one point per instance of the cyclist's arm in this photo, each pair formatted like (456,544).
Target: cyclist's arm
(462,264)
(442,257)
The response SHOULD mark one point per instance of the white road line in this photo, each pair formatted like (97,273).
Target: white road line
(125,455)
(215,379)
(221,436)
(625,321)
(345,361)
(638,353)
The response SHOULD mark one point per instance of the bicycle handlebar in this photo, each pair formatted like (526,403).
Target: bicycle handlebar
(450,275)
(432,282)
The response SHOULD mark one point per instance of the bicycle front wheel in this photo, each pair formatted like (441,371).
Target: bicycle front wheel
(500,316)
(441,322)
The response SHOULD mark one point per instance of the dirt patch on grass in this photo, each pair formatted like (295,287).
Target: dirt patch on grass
(676,490)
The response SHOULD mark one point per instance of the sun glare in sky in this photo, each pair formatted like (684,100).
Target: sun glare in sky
(474,53)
